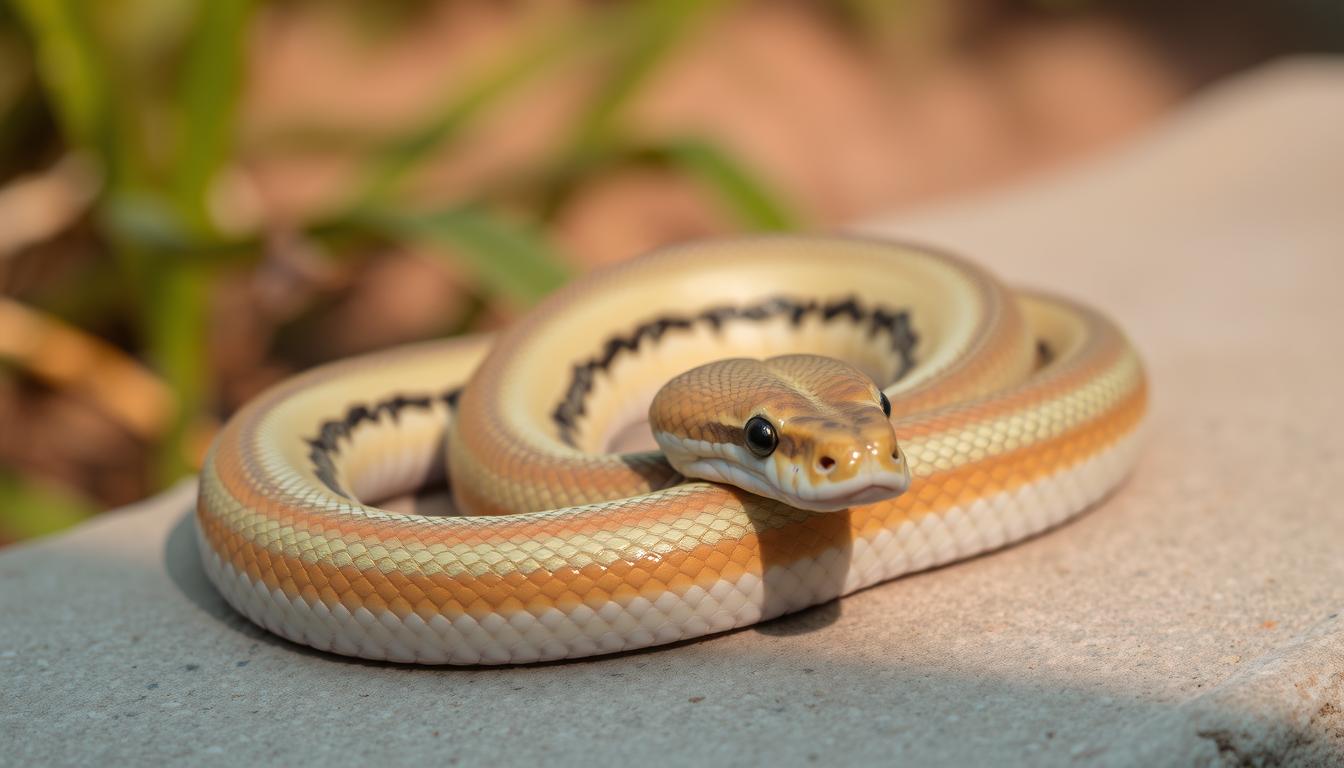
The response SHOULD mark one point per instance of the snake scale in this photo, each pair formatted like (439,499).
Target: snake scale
(1009,413)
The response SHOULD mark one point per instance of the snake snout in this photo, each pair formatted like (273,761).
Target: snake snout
(841,457)
(838,461)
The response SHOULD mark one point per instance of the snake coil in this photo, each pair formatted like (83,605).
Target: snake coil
(1015,411)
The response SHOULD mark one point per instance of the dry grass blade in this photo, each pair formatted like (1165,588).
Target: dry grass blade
(69,359)
(36,208)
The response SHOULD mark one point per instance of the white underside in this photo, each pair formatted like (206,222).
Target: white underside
(936,539)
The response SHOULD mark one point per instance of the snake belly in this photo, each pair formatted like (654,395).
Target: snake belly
(1016,411)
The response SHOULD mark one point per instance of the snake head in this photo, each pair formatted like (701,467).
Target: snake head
(812,432)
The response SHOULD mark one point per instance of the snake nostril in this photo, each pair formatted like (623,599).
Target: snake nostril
(826,463)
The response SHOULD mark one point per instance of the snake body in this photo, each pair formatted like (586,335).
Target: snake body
(1014,412)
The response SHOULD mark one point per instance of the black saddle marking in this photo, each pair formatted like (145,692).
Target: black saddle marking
(895,323)
(324,448)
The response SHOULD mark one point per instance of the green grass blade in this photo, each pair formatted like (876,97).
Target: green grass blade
(740,190)
(650,31)
(176,338)
(67,60)
(208,100)
(398,157)
(509,258)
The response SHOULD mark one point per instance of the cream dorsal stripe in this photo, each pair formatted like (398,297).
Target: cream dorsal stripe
(861,409)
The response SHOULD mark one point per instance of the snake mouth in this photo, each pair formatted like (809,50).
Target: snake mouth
(854,497)
(876,484)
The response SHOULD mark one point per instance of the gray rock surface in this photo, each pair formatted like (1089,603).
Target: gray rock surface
(1192,619)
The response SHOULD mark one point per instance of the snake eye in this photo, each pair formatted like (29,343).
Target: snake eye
(884,402)
(761,437)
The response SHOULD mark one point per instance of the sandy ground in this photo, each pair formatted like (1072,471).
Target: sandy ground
(1192,619)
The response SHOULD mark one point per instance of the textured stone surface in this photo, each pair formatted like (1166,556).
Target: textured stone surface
(1192,619)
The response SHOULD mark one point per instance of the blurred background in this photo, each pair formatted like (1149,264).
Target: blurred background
(199,198)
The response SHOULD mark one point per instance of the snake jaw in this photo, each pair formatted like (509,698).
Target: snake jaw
(871,475)
(873,486)
(718,463)
(860,476)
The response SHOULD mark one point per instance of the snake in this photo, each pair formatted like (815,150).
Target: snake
(704,437)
